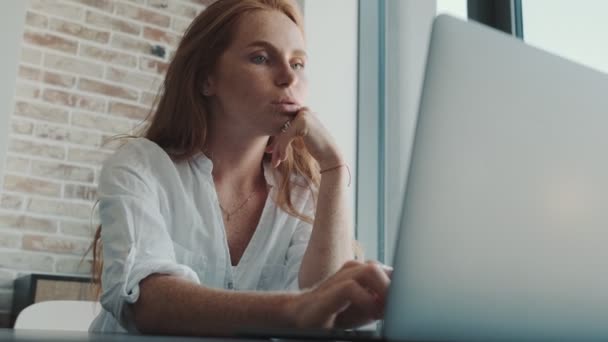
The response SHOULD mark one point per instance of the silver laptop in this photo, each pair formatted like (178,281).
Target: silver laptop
(504,231)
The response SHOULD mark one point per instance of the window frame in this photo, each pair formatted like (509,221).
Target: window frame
(372,194)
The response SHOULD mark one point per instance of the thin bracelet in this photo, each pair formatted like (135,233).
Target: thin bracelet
(337,167)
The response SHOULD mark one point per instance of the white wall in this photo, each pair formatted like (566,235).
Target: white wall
(12,20)
(331,28)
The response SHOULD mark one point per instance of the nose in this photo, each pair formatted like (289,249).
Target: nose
(286,76)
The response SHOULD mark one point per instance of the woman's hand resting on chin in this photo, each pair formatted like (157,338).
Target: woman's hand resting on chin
(319,142)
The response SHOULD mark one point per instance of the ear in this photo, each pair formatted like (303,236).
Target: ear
(208,87)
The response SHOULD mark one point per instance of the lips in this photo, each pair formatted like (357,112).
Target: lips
(286,105)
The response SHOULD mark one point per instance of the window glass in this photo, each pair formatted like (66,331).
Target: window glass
(456,8)
(577,30)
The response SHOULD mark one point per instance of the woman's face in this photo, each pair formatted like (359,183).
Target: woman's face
(259,81)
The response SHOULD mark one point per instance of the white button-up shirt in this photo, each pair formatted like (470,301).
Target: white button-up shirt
(161,216)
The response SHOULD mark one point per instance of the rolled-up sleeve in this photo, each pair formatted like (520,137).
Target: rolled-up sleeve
(136,242)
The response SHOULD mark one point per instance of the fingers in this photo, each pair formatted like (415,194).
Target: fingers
(291,129)
(373,278)
(336,300)
(360,299)
(356,293)
(347,296)
(372,274)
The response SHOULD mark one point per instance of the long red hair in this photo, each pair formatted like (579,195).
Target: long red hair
(179,122)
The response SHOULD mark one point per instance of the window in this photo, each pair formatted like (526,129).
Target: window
(576,30)
(456,8)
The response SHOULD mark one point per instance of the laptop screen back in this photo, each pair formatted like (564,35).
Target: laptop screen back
(504,231)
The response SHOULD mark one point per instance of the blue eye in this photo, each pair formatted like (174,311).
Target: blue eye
(259,59)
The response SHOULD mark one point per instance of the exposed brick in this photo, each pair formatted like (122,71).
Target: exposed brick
(12,202)
(41,112)
(76,191)
(84,138)
(51,41)
(22,127)
(31,186)
(174,7)
(79,31)
(59,208)
(161,36)
(104,5)
(60,133)
(102,123)
(134,79)
(180,25)
(31,55)
(27,223)
(74,100)
(106,89)
(9,240)
(26,261)
(143,15)
(61,245)
(17,164)
(27,91)
(83,156)
(128,111)
(57,8)
(46,131)
(112,23)
(58,79)
(29,73)
(62,171)
(34,148)
(36,20)
(147,99)
(74,265)
(109,56)
(73,65)
(153,65)
(130,44)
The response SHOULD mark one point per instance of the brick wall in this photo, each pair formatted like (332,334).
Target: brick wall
(89,70)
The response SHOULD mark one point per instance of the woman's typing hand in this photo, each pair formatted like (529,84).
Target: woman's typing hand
(353,296)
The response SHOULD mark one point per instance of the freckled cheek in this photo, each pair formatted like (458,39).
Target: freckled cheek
(243,86)
(302,88)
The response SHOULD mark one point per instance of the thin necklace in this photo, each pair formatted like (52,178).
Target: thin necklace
(229,214)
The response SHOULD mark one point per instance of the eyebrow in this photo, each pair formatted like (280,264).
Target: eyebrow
(267,45)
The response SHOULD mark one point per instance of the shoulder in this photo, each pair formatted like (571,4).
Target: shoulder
(137,153)
(139,160)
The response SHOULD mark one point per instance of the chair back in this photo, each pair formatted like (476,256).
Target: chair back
(72,315)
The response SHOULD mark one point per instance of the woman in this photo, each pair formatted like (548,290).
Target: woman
(235,188)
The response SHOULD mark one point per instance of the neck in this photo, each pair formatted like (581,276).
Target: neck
(236,156)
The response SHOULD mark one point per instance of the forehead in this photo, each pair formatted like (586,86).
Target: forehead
(272,26)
